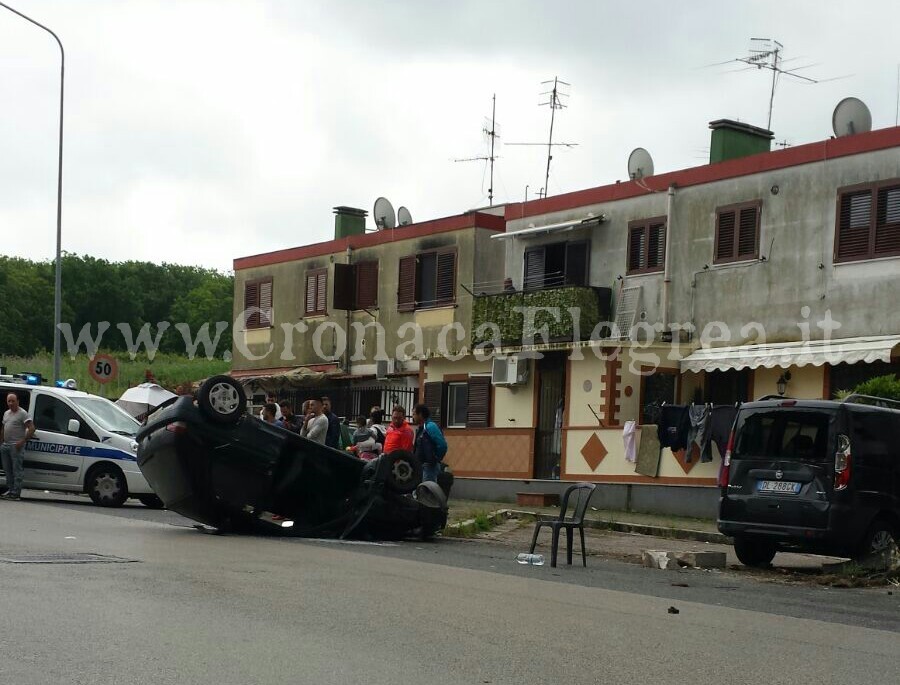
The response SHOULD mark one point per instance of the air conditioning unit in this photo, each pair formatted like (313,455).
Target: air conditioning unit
(384,367)
(509,371)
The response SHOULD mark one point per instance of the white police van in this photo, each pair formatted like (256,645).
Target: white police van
(81,443)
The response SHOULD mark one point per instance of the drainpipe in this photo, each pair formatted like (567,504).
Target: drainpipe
(347,336)
(667,274)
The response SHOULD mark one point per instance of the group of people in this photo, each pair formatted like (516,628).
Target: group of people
(372,437)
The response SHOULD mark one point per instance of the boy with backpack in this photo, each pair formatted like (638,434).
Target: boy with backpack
(430,445)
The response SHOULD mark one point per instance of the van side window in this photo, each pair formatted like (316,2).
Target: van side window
(52,414)
(23,395)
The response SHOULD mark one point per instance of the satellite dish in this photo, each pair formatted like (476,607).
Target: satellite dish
(384,214)
(640,164)
(404,218)
(851,116)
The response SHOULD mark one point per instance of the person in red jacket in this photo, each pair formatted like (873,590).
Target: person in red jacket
(399,433)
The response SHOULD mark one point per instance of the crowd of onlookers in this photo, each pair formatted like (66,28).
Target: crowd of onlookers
(369,437)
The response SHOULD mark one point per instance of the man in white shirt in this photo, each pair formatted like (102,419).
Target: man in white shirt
(15,431)
(316,425)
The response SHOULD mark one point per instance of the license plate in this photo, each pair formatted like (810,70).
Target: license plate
(779,486)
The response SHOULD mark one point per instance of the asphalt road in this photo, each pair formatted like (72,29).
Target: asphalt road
(194,608)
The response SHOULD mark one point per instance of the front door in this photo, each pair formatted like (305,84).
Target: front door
(53,457)
(551,388)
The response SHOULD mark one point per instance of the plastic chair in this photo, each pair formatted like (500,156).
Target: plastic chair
(582,495)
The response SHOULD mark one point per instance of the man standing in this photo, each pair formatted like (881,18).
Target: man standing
(289,419)
(430,445)
(333,438)
(316,426)
(399,433)
(15,431)
(271,399)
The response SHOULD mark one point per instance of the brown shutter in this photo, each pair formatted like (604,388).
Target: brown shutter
(656,252)
(887,222)
(344,286)
(366,285)
(321,291)
(636,248)
(445,289)
(434,395)
(265,303)
(479,413)
(310,294)
(854,222)
(251,301)
(747,233)
(725,234)
(534,268)
(406,284)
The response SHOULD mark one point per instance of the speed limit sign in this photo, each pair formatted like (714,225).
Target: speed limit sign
(103,368)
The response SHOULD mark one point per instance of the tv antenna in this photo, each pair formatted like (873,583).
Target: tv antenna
(555,102)
(384,214)
(489,130)
(851,115)
(404,218)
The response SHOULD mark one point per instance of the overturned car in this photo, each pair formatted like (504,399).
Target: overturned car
(211,462)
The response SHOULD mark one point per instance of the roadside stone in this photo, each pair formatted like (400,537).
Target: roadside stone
(888,560)
(665,561)
(702,559)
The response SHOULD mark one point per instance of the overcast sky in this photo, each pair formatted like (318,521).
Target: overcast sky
(198,131)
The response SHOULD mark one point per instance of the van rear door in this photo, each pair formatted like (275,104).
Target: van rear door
(781,466)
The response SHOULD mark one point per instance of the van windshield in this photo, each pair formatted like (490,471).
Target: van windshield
(783,434)
(107,415)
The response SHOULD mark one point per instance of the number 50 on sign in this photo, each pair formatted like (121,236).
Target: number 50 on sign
(103,368)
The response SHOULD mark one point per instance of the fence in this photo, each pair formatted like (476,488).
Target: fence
(354,400)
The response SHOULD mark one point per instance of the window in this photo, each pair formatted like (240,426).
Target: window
(460,404)
(868,222)
(556,264)
(657,389)
(457,401)
(647,246)
(258,302)
(427,279)
(737,232)
(316,292)
(366,285)
(52,414)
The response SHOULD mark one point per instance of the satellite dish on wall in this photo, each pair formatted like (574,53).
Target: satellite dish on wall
(384,214)
(640,164)
(404,218)
(851,116)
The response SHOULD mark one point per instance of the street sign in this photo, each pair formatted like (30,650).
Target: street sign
(103,368)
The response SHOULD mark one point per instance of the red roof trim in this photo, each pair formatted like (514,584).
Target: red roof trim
(444,225)
(766,161)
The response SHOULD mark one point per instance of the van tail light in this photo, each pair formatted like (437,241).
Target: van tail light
(177,427)
(843,463)
(726,463)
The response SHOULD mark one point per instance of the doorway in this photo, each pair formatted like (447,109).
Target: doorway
(551,389)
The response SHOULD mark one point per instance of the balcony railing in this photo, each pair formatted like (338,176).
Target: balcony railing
(520,315)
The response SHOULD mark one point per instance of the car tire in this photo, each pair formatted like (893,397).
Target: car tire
(106,486)
(222,399)
(878,538)
(404,471)
(151,501)
(754,552)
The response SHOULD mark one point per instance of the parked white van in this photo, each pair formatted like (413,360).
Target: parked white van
(81,443)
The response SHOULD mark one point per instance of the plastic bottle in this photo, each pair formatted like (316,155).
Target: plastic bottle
(533,559)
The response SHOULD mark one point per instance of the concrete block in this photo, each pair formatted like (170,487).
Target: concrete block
(665,561)
(702,559)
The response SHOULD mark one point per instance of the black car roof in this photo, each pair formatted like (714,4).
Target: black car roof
(829,405)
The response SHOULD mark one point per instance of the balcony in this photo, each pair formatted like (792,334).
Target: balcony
(507,310)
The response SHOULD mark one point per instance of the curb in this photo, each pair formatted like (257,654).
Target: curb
(469,527)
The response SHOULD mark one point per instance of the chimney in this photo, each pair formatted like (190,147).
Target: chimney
(349,221)
(732,139)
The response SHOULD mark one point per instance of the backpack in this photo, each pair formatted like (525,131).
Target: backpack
(437,439)
(380,433)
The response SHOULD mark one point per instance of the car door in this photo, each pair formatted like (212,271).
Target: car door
(54,457)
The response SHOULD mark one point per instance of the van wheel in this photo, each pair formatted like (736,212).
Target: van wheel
(880,537)
(754,552)
(107,486)
(151,501)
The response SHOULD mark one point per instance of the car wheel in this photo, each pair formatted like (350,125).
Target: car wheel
(881,537)
(222,399)
(151,501)
(753,552)
(404,472)
(107,486)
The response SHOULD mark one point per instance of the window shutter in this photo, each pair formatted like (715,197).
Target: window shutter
(251,301)
(310,293)
(479,413)
(534,268)
(445,290)
(406,284)
(854,220)
(725,236)
(747,238)
(344,287)
(321,291)
(656,254)
(887,222)
(577,254)
(366,285)
(265,303)
(636,248)
(434,394)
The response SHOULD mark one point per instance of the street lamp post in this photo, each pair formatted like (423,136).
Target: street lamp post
(57,295)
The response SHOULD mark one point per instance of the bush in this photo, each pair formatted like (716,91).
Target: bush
(886,387)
